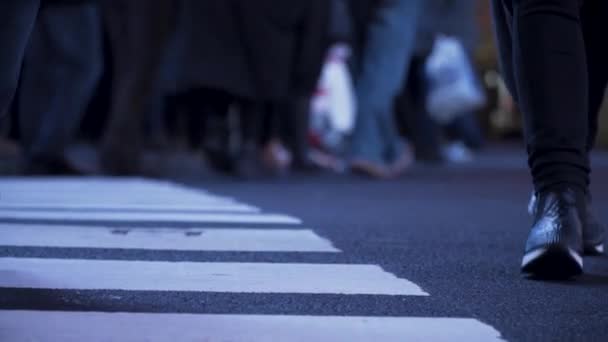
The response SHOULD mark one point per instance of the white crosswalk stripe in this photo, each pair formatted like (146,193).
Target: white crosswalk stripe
(153,216)
(193,239)
(94,197)
(203,276)
(100,206)
(123,203)
(95,326)
(104,191)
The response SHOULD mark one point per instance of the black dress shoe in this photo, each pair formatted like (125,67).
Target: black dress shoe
(555,244)
(594,233)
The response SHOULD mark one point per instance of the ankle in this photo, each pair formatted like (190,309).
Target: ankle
(579,191)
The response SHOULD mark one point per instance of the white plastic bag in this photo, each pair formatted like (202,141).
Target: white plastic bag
(453,88)
(333,105)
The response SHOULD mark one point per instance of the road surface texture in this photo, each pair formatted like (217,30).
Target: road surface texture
(433,256)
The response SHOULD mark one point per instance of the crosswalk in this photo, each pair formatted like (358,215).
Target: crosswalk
(98,215)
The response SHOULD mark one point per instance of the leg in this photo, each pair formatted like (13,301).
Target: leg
(386,58)
(295,128)
(466,128)
(592,20)
(595,16)
(502,13)
(420,128)
(63,64)
(549,58)
(17,19)
(549,64)
(139,31)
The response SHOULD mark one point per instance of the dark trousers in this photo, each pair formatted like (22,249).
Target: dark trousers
(63,63)
(17,19)
(139,31)
(556,66)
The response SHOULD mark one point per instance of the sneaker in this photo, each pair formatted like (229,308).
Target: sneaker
(555,243)
(457,152)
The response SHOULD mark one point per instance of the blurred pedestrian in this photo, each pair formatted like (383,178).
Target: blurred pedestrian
(63,64)
(263,56)
(139,32)
(554,61)
(17,18)
(388,39)
(441,19)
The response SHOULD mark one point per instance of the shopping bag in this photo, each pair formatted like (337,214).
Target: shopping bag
(452,85)
(333,105)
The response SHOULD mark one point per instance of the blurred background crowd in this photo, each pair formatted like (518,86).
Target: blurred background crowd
(256,88)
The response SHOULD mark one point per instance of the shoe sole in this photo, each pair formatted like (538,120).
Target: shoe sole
(594,249)
(553,262)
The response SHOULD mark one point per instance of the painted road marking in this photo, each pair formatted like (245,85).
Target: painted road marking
(227,207)
(147,217)
(204,239)
(21,326)
(233,277)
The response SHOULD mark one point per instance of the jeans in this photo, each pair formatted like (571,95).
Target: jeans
(554,63)
(384,64)
(63,64)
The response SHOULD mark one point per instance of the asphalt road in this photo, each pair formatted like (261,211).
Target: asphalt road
(456,233)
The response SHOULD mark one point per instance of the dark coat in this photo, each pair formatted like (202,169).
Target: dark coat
(262,50)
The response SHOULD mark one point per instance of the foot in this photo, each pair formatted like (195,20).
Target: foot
(50,166)
(555,245)
(248,165)
(120,159)
(371,169)
(458,153)
(276,158)
(593,230)
(403,162)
